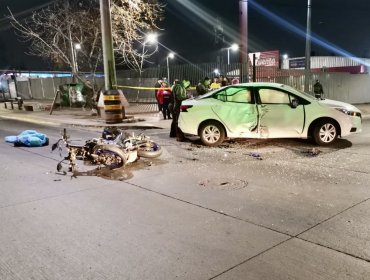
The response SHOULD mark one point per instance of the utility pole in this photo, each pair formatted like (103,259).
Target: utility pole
(243,20)
(307,74)
(114,111)
(108,55)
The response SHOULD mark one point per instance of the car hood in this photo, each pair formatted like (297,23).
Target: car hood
(339,104)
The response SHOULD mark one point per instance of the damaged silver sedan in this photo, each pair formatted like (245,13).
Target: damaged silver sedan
(266,110)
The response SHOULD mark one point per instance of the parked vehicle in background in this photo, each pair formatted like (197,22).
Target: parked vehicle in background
(266,110)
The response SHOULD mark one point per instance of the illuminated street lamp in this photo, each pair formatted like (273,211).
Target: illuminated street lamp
(217,72)
(150,38)
(77,47)
(170,55)
(233,47)
(285,56)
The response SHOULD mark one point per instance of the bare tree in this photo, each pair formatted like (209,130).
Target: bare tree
(131,19)
(53,32)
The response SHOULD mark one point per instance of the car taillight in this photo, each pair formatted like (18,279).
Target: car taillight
(184,108)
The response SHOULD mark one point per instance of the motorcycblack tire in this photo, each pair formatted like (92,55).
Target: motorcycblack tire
(149,150)
(111,149)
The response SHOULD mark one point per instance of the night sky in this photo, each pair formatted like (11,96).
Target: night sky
(341,26)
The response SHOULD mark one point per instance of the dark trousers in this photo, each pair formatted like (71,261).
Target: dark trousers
(175,130)
(165,110)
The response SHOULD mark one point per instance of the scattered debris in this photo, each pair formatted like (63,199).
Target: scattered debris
(256,156)
(312,152)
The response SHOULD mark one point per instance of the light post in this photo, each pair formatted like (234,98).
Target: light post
(150,38)
(170,55)
(76,48)
(284,63)
(233,47)
(217,72)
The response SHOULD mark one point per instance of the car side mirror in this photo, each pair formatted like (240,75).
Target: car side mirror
(295,103)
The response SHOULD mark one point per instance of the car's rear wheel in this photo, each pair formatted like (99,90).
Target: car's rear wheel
(325,132)
(212,133)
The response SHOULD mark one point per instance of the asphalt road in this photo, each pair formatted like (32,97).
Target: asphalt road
(266,209)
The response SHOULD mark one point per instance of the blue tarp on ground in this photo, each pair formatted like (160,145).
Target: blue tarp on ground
(29,138)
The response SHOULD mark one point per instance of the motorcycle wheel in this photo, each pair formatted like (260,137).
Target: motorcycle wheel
(110,155)
(149,150)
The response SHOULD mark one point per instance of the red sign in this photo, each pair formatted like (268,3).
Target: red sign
(270,58)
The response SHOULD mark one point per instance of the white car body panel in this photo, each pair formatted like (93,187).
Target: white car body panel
(244,120)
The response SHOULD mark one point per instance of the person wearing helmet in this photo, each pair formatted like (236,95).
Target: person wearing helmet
(179,94)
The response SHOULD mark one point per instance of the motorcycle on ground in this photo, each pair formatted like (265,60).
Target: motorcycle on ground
(114,149)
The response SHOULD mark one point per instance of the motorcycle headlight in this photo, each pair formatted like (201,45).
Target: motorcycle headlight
(348,112)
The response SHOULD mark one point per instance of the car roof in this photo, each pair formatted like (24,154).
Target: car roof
(259,84)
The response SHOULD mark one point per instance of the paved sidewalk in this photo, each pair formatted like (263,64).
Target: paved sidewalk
(137,116)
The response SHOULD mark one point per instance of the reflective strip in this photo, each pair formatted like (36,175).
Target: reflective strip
(111,97)
(113,107)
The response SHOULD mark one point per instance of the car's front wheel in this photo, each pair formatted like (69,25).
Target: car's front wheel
(212,133)
(325,132)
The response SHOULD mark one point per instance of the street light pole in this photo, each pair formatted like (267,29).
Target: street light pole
(307,76)
(228,56)
(234,47)
(170,55)
(149,38)
(76,48)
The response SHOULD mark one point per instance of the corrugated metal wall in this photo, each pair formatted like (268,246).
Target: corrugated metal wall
(329,61)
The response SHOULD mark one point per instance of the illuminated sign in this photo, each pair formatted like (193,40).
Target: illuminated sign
(297,63)
(270,58)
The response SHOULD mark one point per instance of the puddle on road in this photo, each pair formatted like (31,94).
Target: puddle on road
(123,173)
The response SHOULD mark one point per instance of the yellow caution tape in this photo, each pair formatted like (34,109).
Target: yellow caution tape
(148,88)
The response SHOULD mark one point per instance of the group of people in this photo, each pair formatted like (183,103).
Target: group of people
(207,85)
(169,100)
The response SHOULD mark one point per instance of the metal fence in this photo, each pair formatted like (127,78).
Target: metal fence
(352,88)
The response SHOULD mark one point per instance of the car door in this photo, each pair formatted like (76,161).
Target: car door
(279,114)
(237,110)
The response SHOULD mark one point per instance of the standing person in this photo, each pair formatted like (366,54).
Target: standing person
(170,106)
(203,86)
(318,90)
(235,81)
(225,81)
(164,97)
(215,84)
(179,94)
(157,85)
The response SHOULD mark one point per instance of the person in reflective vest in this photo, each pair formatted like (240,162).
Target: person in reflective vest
(179,94)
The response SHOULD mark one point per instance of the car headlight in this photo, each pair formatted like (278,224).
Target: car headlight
(348,112)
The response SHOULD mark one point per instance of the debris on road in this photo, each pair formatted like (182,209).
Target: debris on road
(312,152)
(256,156)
